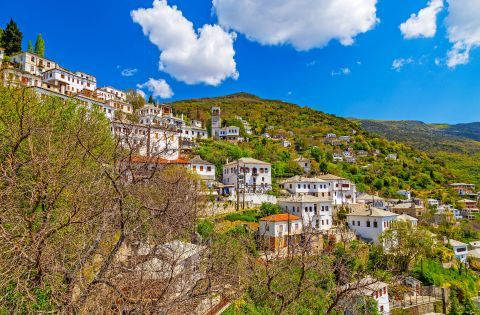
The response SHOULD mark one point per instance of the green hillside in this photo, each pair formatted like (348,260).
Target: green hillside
(453,145)
(306,129)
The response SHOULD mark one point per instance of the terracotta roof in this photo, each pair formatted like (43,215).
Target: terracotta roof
(280,217)
(156,160)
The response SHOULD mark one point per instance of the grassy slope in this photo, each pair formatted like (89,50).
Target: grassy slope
(414,170)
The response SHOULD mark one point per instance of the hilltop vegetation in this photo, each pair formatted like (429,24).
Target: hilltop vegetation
(455,146)
(306,129)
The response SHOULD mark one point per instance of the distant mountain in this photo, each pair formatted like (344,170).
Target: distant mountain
(457,146)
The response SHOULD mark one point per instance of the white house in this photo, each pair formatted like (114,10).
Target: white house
(344,138)
(374,201)
(70,83)
(405,193)
(120,105)
(331,136)
(248,174)
(304,163)
(337,157)
(460,250)
(391,156)
(406,218)
(162,142)
(204,169)
(2,53)
(33,63)
(191,133)
(433,202)
(316,212)
(277,231)
(369,223)
(286,144)
(299,185)
(366,287)
(343,190)
(109,93)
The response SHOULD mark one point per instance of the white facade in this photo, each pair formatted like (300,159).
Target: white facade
(70,82)
(343,190)
(315,212)
(433,202)
(299,185)
(460,250)
(280,225)
(304,163)
(2,54)
(405,193)
(249,174)
(120,105)
(109,93)
(162,143)
(204,169)
(33,63)
(193,132)
(370,223)
(367,287)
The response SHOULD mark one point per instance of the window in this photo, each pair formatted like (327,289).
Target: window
(375,224)
(358,223)
(201,168)
(368,223)
(209,168)
(353,223)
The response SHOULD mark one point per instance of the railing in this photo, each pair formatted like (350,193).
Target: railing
(423,295)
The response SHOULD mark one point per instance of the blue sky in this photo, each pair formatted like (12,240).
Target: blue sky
(351,79)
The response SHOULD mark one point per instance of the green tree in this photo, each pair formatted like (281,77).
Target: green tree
(40,46)
(30,47)
(268,208)
(468,307)
(136,99)
(150,99)
(12,38)
(455,308)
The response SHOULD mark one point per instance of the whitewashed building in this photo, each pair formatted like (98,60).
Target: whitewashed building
(366,287)
(109,93)
(299,185)
(305,164)
(248,174)
(151,140)
(460,250)
(369,223)
(278,231)
(33,63)
(70,83)
(2,54)
(316,212)
(405,193)
(343,190)
(204,169)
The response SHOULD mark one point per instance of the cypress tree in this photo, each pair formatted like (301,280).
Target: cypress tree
(30,46)
(40,46)
(12,38)
(150,99)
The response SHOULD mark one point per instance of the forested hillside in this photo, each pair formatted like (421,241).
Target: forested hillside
(452,145)
(306,128)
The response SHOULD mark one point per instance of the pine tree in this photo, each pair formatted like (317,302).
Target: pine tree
(30,46)
(1,36)
(12,38)
(150,99)
(40,46)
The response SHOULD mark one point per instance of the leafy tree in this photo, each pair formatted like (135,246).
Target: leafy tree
(30,47)
(468,307)
(136,99)
(267,209)
(40,46)
(455,308)
(12,38)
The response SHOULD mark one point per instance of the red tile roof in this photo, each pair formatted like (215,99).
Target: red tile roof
(280,217)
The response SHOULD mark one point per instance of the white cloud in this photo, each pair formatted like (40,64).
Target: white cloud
(341,71)
(423,24)
(159,88)
(438,61)
(203,56)
(128,72)
(463,28)
(399,63)
(142,93)
(305,24)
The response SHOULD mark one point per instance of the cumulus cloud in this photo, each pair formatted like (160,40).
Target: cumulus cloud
(423,24)
(399,63)
(159,88)
(305,24)
(463,29)
(191,56)
(128,72)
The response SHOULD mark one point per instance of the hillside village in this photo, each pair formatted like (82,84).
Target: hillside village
(311,205)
